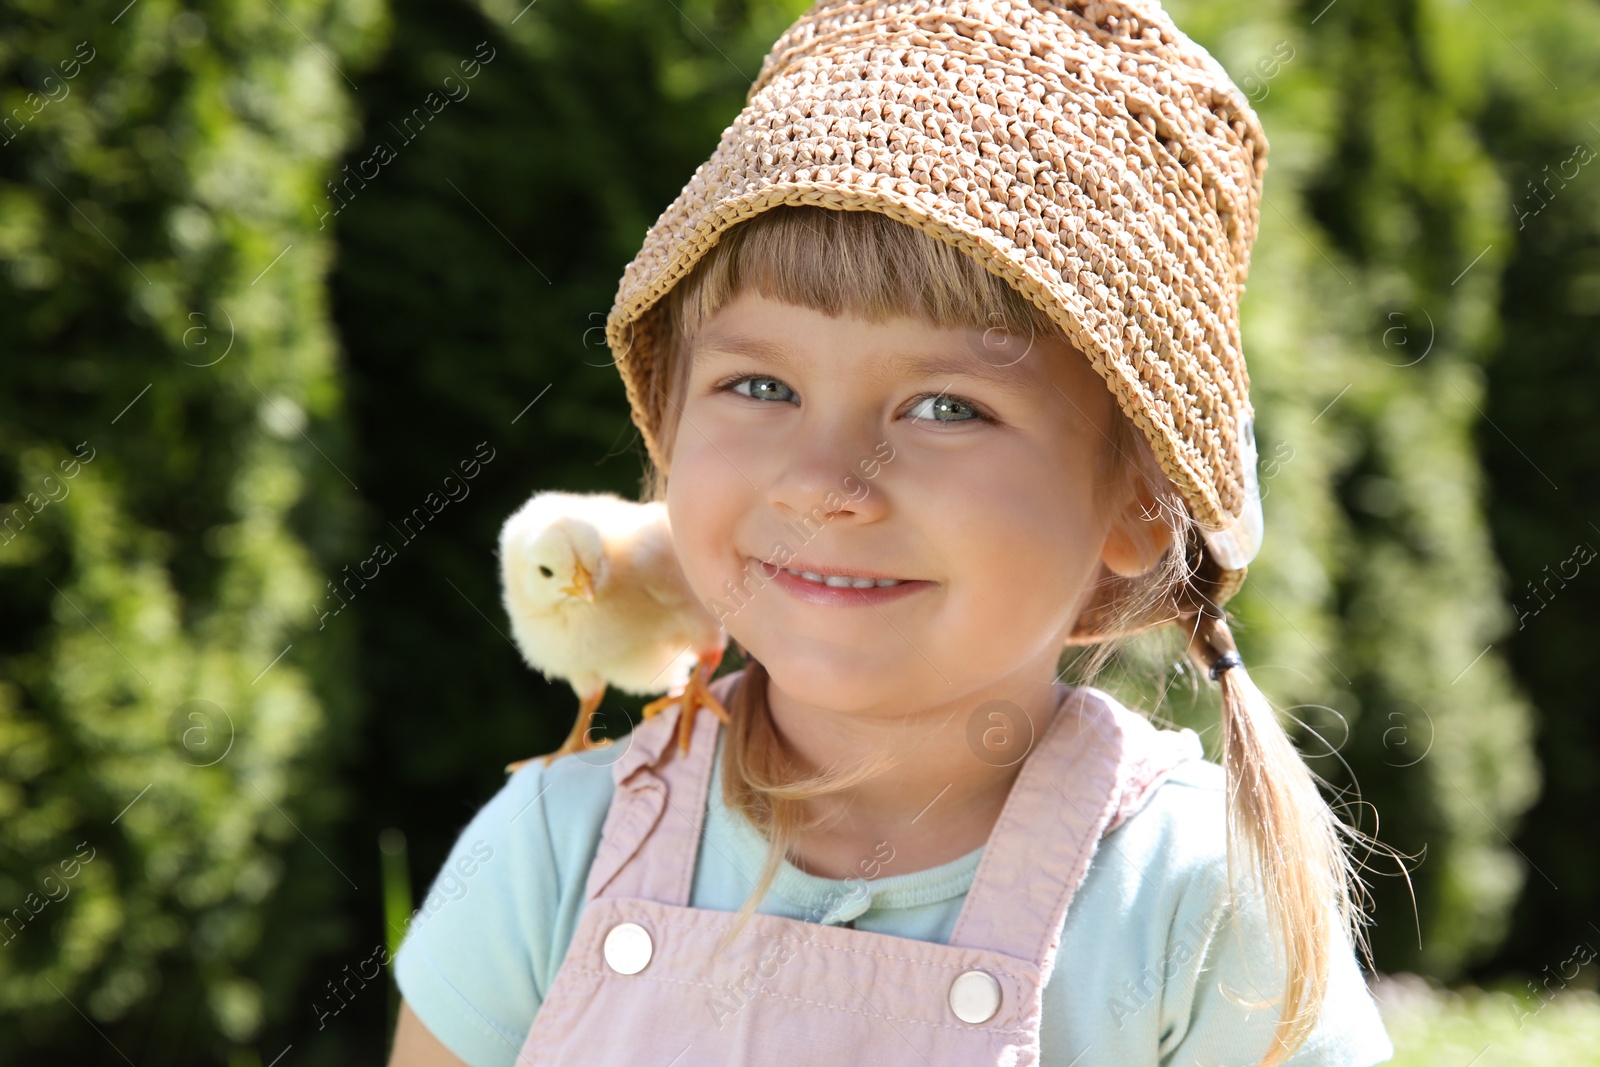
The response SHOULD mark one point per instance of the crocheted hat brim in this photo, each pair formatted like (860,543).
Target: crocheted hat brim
(1112,176)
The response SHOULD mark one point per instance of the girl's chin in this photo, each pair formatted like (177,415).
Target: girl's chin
(838,682)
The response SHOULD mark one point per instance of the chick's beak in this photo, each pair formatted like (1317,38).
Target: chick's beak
(582,582)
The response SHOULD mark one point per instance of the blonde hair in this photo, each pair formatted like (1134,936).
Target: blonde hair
(870,265)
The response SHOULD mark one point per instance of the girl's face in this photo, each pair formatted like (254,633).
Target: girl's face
(962,461)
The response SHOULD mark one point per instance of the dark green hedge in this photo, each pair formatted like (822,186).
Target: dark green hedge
(165,333)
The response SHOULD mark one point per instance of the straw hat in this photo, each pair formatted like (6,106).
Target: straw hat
(1088,153)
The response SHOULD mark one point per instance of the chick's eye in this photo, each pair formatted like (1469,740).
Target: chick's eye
(546,571)
(936,407)
(759,387)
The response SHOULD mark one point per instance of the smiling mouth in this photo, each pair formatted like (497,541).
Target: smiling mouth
(832,581)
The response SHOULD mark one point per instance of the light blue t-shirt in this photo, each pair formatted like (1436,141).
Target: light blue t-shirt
(1152,968)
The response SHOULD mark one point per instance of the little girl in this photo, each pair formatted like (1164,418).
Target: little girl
(937,361)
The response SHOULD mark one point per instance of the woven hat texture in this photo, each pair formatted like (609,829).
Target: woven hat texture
(1089,153)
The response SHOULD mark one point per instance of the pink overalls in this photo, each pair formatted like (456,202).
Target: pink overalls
(641,979)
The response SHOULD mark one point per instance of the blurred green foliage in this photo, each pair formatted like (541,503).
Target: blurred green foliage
(1539,442)
(1395,353)
(452,190)
(1369,315)
(164,320)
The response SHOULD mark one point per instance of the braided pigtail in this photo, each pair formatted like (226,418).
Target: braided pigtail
(1294,837)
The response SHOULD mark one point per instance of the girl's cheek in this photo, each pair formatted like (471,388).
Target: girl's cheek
(1015,536)
(700,507)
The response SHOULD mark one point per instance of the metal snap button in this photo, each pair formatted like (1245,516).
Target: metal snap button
(975,996)
(628,948)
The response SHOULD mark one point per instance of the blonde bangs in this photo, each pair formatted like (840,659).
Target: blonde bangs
(858,263)
(853,262)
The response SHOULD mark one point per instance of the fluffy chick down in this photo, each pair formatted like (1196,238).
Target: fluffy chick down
(644,630)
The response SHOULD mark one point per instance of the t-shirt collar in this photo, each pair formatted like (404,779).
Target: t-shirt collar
(830,900)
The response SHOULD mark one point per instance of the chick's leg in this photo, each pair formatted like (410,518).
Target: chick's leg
(696,695)
(578,740)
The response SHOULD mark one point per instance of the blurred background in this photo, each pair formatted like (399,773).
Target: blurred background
(271,272)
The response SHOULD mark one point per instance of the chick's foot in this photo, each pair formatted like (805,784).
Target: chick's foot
(696,695)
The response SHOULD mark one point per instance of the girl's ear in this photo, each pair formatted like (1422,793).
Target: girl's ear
(1139,533)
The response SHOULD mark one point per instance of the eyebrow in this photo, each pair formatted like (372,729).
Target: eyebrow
(918,364)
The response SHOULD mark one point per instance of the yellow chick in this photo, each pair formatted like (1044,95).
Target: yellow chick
(597,598)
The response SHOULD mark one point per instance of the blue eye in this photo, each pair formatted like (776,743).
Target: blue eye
(939,403)
(936,407)
(769,388)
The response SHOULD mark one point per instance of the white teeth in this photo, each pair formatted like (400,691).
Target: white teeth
(843,581)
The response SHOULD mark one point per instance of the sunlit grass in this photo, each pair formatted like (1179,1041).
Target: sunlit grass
(1434,1027)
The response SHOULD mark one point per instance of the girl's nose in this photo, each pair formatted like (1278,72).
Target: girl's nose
(827,473)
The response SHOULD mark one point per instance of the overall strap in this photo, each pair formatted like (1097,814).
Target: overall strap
(1097,763)
(651,835)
